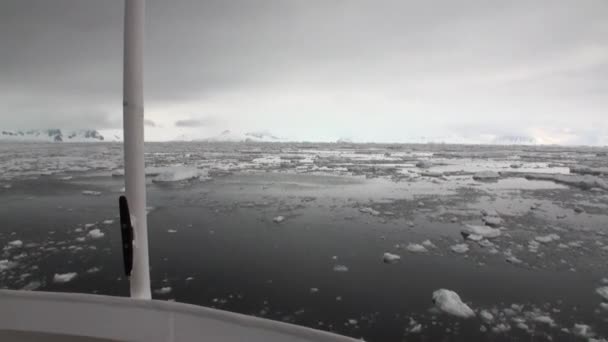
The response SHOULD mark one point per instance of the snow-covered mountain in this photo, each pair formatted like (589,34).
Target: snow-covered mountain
(230,136)
(52,135)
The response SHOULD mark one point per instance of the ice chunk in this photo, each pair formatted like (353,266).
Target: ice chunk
(547,238)
(583,330)
(278,219)
(368,210)
(460,248)
(449,302)
(602,291)
(95,233)
(31,286)
(544,319)
(89,225)
(178,173)
(486,232)
(428,244)
(91,193)
(340,268)
(423,164)
(163,290)
(390,258)
(108,221)
(64,277)
(501,328)
(416,248)
(171,230)
(585,182)
(486,316)
(314,290)
(6,265)
(414,327)
(93,270)
(486,176)
(16,243)
(492,221)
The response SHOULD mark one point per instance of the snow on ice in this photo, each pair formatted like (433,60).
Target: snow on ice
(449,302)
(64,277)
(390,258)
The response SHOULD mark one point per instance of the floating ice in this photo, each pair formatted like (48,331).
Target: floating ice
(449,302)
(64,277)
(178,173)
(501,328)
(108,221)
(460,248)
(544,319)
(486,316)
(91,193)
(423,164)
(171,230)
(492,221)
(368,210)
(416,248)
(31,286)
(486,232)
(278,219)
(547,238)
(95,233)
(89,225)
(584,182)
(352,321)
(16,243)
(93,270)
(583,330)
(340,268)
(414,327)
(163,290)
(486,175)
(428,244)
(390,258)
(6,265)
(314,290)
(602,291)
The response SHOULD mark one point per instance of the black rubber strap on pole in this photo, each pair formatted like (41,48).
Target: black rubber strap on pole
(126,230)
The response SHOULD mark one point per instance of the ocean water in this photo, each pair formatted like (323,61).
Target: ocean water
(214,239)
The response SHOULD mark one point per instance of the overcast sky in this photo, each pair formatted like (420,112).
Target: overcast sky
(374,70)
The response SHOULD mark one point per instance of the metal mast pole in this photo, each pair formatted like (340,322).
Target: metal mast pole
(133,130)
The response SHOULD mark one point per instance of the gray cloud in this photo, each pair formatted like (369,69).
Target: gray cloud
(316,69)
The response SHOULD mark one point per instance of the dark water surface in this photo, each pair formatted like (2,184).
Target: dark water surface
(214,243)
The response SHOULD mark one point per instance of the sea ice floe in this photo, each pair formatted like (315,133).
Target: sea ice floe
(416,248)
(368,210)
(178,173)
(340,268)
(91,193)
(449,302)
(108,221)
(460,248)
(547,238)
(390,258)
(64,277)
(486,175)
(484,231)
(6,265)
(602,291)
(278,219)
(93,270)
(16,243)
(163,290)
(428,244)
(95,233)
